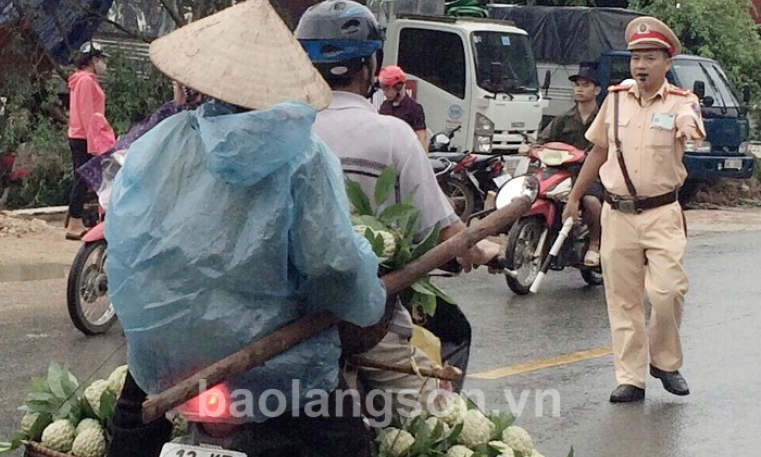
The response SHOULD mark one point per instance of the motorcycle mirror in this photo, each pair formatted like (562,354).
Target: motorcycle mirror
(520,186)
(699,88)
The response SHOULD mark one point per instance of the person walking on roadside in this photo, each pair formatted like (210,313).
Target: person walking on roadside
(86,100)
(639,137)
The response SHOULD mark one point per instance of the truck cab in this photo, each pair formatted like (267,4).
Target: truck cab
(475,74)
(725,153)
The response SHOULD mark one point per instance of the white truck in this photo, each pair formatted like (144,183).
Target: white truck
(475,74)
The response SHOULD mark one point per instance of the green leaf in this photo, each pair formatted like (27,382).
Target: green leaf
(570,454)
(69,382)
(40,397)
(43,420)
(378,245)
(501,421)
(428,243)
(40,385)
(358,198)
(438,292)
(107,404)
(424,296)
(385,185)
(369,221)
(396,215)
(16,441)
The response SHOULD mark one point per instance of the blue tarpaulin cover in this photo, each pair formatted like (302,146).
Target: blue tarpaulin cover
(60,26)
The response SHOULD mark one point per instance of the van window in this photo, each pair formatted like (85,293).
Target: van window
(434,56)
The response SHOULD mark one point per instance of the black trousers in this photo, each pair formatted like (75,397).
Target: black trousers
(338,434)
(79,157)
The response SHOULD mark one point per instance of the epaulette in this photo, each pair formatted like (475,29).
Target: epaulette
(679,91)
(618,88)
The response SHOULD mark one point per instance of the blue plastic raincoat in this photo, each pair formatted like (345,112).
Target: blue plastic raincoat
(223,227)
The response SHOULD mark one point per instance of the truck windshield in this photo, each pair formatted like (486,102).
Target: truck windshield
(716,84)
(504,63)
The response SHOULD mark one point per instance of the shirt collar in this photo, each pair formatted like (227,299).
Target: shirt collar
(662,92)
(343,100)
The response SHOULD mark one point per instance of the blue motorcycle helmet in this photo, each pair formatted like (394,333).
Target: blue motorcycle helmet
(340,37)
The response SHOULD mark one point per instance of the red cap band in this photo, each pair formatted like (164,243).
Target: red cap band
(653,35)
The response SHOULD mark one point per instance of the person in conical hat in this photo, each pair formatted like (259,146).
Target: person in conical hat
(639,139)
(226,223)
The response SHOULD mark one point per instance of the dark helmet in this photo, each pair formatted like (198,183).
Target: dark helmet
(340,37)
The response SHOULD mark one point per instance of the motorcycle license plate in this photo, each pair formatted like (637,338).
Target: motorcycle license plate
(734,164)
(500,180)
(186,450)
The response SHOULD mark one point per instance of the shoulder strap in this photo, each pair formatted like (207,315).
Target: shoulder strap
(619,152)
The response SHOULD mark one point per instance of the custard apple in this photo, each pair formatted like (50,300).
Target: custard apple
(476,429)
(450,409)
(85,424)
(432,422)
(503,448)
(116,379)
(94,392)
(518,439)
(459,451)
(59,435)
(389,240)
(396,442)
(27,422)
(89,443)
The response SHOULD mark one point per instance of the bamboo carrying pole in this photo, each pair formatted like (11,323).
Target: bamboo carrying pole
(302,329)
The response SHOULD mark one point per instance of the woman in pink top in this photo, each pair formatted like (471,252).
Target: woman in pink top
(86,99)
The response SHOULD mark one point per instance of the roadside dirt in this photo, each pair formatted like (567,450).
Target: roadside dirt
(27,241)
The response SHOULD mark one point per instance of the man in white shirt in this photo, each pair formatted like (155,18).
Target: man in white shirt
(343,39)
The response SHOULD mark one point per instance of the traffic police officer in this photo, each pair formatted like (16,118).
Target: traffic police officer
(639,138)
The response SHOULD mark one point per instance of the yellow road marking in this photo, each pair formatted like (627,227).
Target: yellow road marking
(542,364)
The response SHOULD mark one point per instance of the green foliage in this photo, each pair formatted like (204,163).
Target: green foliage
(730,38)
(35,114)
(404,222)
(134,89)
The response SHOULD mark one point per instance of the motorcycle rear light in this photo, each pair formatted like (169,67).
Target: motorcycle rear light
(211,405)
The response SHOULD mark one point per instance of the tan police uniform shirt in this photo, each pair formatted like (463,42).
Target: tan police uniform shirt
(647,131)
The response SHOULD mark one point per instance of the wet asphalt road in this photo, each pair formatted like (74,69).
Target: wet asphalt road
(523,353)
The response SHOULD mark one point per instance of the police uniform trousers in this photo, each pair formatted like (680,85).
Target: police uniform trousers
(657,235)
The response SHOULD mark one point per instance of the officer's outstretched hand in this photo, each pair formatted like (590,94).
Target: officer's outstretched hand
(689,133)
(571,210)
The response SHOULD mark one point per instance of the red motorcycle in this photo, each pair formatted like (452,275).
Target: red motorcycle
(87,296)
(555,166)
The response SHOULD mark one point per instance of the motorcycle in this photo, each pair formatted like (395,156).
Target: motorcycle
(555,167)
(88,302)
(473,177)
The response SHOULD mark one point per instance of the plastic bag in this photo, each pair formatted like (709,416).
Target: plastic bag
(223,227)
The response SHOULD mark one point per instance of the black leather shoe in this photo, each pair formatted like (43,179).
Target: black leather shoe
(672,381)
(626,393)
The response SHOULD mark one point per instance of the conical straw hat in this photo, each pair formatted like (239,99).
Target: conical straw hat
(244,55)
